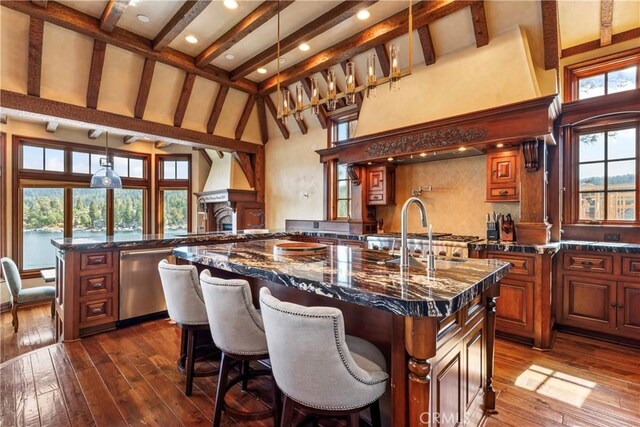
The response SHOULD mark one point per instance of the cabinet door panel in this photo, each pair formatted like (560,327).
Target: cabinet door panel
(589,302)
(474,367)
(629,309)
(514,309)
(448,383)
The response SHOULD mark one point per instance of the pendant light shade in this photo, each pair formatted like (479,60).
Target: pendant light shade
(106,177)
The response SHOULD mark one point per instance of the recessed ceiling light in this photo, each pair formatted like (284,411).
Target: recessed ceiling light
(363,14)
(369,163)
(462,149)
(423,154)
(231,4)
(390,159)
(262,71)
(499,145)
(304,47)
(143,18)
(229,56)
(191,39)
(282,60)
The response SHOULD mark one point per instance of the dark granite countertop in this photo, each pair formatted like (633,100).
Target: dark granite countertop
(577,245)
(357,275)
(498,246)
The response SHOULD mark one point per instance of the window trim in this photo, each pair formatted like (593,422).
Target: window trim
(171,184)
(574,72)
(27,178)
(573,217)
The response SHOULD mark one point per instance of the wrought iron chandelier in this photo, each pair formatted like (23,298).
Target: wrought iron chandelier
(288,105)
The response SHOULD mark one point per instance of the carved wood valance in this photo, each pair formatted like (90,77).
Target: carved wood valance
(513,123)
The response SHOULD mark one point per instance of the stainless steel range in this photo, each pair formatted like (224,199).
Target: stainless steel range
(447,245)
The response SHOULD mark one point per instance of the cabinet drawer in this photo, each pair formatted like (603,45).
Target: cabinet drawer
(503,192)
(631,266)
(588,262)
(95,285)
(96,312)
(521,265)
(376,197)
(96,260)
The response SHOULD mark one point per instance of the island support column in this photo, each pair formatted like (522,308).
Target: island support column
(420,341)
(490,320)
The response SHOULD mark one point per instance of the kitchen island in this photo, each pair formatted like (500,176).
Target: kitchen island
(436,330)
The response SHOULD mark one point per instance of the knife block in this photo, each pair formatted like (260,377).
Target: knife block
(493,234)
(508,232)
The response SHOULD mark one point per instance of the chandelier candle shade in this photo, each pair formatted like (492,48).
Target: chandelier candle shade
(287,105)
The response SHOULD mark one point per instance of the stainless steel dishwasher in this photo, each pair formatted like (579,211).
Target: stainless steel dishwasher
(141,294)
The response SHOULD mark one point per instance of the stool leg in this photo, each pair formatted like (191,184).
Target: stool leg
(53,308)
(190,361)
(14,314)
(277,403)
(225,366)
(354,419)
(287,412)
(244,371)
(375,414)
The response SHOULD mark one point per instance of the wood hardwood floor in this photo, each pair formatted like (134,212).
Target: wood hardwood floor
(129,377)
(36,330)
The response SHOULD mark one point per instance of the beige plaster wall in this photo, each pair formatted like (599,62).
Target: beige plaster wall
(200,169)
(457,202)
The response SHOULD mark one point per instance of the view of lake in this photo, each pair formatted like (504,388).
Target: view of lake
(39,252)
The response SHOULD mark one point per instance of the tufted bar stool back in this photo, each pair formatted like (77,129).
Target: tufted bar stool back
(185,305)
(318,367)
(238,331)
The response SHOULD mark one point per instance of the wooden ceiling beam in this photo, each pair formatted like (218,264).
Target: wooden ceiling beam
(244,160)
(323,23)
(185,94)
(301,124)
(159,145)
(244,118)
(51,127)
(47,107)
(479,24)
(205,156)
(606,22)
(3,119)
(220,154)
(262,120)
(383,59)
(82,23)
(94,133)
(95,73)
(41,3)
(216,110)
(322,115)
(183,17)
(112,13)
(424,34)
(274,113)
(145,86)
(34,70)
(130,139)
(624,36)
(424,13)
(550,34)
(249,23)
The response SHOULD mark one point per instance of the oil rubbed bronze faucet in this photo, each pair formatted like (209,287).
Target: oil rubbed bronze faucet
(405,258)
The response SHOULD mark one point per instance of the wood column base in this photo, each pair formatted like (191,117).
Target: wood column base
(536,233)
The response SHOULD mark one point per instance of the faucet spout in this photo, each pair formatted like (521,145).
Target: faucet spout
(404,249)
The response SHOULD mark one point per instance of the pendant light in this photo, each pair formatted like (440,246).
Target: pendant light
(331,90)
(351,83)
(299,103)
(371,75)
(315,97)
(106,177)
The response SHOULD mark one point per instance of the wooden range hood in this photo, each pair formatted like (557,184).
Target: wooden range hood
(508,124)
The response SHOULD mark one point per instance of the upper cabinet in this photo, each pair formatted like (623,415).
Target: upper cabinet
(503,176)
(381,181)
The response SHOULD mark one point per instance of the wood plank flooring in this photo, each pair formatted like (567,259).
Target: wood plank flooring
(36,330)
(128,377)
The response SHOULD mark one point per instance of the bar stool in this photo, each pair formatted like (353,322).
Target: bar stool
(237,329)
(186,307)
(317,367)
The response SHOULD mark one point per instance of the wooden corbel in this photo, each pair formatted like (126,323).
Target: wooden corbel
(353,172)
(531,155)
(244,160)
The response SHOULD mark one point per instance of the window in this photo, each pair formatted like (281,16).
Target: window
(343,193)
(55,200)
(603,76)
(608,175)
(342,130)
(173,184)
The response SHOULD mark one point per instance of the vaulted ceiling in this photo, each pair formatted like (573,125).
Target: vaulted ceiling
(130,62)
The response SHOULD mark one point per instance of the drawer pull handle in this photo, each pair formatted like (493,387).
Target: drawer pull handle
(620,306)
(96,261)
(503,192)
(97,285)
(586,263)
(613,304)
(96,310)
